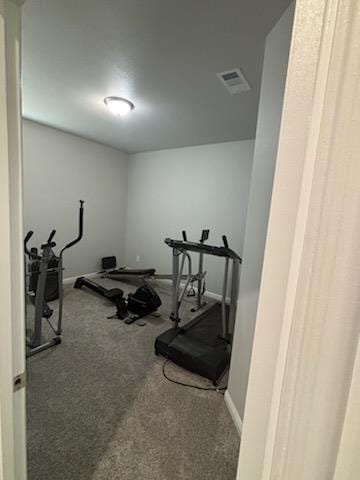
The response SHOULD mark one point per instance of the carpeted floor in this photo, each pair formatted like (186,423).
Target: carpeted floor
(99,407)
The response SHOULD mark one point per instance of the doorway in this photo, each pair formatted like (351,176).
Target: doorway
(188,206)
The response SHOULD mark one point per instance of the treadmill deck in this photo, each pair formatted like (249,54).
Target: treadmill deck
(197,346)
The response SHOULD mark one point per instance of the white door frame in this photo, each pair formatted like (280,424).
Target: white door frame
(308,316)
(312,242)
(12,330)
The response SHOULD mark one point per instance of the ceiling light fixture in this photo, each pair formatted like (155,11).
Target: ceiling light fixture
(119,106)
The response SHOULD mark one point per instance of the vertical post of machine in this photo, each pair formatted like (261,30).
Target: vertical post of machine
(175,303)
(235,274)
(39,300)
(61,293)
(223,298)
(204,237)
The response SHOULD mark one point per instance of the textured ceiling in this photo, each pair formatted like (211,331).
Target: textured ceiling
(163,55)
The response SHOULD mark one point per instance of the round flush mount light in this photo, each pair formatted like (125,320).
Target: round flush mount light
(119,106)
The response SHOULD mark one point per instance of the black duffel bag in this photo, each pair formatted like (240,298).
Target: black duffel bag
(144,301)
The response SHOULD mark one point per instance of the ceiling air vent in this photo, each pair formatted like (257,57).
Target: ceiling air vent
(234,81)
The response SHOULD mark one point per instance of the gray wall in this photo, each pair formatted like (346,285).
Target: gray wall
(271,100)
(187,188)
(60,169)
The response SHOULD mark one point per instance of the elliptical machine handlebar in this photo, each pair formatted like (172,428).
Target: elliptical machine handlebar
(27,251)
(49,242)
(51,236)
(28,236)
(60,276)
(81,225)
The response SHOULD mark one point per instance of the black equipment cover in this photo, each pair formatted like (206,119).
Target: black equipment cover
(52,278)
(144,301)
(108,263)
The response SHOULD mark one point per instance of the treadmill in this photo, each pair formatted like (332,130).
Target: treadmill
(203,345)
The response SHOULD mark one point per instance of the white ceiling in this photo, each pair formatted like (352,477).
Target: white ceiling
(163,55)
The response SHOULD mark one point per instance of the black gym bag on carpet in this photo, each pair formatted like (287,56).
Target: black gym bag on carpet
(144,301)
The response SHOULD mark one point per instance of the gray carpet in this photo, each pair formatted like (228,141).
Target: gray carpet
(99,407)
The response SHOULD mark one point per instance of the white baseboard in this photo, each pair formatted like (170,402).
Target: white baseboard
(212,295)
(68,280)
(216,296)
(234,414)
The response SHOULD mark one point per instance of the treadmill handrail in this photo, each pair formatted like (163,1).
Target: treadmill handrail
(203,248)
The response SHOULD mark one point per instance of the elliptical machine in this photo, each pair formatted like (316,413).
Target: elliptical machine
(42,268)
